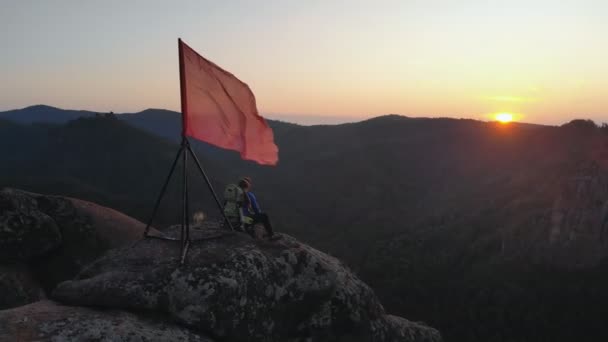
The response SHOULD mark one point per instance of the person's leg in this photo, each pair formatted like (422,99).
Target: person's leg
(265,220)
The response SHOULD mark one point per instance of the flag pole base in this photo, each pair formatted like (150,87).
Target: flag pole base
(184,150)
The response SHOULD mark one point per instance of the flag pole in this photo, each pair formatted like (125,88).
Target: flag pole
(185,231)
(182,88)
(183,152)
(184,102)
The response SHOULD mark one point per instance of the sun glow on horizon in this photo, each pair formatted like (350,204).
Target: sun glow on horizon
(503,117)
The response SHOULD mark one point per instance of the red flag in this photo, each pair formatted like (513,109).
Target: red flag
(220,109)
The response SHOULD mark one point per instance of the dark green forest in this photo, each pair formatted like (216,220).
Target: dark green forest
(487,232)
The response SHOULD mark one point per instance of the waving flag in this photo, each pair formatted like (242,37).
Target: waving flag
(220,109)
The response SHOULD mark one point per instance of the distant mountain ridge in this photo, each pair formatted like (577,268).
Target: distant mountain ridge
(164,123)
(43,114)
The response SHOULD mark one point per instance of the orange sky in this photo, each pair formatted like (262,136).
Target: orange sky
(544,60)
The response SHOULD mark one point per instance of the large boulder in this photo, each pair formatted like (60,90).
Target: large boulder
(237,288)
(48,321)
(87,231)
(56,237)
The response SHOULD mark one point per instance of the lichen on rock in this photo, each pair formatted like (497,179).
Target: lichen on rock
(240,289)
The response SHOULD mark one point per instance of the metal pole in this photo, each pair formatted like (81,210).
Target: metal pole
(184,102)
(162,191)
(185,225)
(202,170)
(187,239)
(182,87)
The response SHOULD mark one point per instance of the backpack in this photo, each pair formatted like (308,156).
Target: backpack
(233,201)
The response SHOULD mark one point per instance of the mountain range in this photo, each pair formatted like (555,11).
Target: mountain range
(487,231)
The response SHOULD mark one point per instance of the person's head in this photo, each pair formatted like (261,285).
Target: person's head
(245,183)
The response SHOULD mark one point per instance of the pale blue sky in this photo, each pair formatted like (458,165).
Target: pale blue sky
(544,60)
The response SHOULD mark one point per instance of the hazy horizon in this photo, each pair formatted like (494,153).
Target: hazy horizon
(350,60)
(304,119)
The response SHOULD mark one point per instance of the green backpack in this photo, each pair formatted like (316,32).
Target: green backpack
(233,201)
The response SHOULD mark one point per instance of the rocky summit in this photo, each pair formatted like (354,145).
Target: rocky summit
(231,287)
(236,288)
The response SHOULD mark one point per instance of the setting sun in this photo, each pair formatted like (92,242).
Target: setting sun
(504,117)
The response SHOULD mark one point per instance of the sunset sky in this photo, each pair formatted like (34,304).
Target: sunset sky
(318,60)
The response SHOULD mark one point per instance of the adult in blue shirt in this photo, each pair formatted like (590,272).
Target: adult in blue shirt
(251,207)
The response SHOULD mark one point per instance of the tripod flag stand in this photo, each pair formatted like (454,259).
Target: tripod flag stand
(219,109)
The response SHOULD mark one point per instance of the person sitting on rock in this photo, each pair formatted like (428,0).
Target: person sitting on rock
(251,208)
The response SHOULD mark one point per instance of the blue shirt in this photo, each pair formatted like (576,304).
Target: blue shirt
(254,205)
